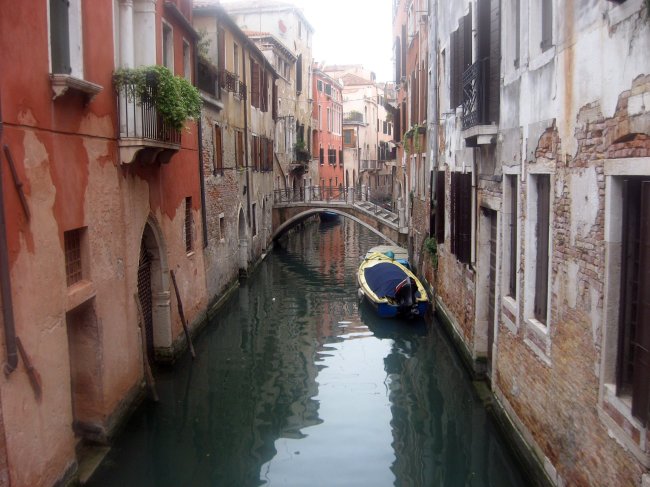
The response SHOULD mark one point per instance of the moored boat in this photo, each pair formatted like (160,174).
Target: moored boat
(400,254)
(391,288)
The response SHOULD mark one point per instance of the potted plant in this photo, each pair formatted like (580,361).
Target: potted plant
(302,154)
(174,98)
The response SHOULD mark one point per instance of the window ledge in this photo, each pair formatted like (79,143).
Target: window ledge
(79,293)
(616,414)
(509,313)
(61,83)
(537,338)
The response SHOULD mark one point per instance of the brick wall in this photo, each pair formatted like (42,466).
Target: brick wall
(556,397)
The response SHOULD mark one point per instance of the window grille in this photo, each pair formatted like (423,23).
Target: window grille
(72,245)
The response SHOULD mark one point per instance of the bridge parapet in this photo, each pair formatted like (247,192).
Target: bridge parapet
(291,206)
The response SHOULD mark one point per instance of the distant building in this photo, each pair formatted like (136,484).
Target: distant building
(287,24)
(327,137)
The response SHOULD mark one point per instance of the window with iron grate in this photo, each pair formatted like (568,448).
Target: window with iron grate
(73,261)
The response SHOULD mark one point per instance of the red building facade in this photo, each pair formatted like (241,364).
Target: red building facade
(327,141)
(105,203)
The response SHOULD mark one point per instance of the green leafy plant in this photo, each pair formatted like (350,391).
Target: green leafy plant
(175,99)
(431,246)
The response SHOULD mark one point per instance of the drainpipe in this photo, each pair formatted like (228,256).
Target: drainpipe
(199,125)
(245,105)
(5,283)
(433,132)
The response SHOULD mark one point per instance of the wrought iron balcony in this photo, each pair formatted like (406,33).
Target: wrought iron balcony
(212,81)
(474,94)
(144,135)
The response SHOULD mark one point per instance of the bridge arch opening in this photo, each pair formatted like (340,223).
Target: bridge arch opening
(293,221)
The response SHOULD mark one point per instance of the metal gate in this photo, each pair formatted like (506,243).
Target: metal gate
(144,294)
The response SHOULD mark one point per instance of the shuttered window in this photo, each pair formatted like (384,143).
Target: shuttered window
(218,149)
(239,148)
(440,207)
(255,84)
(461,58)
(321,156)
(340,157)
(60,36)
(512,239)
(461,216)
(543,186)
(633,360)
(189,242)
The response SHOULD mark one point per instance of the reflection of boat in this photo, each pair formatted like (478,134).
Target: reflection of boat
(400,254)
(329,216)
(391,288)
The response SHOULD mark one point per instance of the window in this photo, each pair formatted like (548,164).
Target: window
(222,227)
(218,149)
(329,120)
(320,118)
(328,89)
(461,216)
(461,58)
(239,148)
(547,24)
(440,207)
(517,32)
(168,46)
(66,37)
(537,243)
(189,223)
(347,138)
(255,84)
(331,156)
(235,59)
(321,156)
(187,61)
(255,152)
(633,357)
(254,217)
(510,197)
(319,85)
(73,260)
(299,75)
(340,157)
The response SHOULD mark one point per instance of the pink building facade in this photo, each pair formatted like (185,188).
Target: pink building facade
(327,134)
(98,214)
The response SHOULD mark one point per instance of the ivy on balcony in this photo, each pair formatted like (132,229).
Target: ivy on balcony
(174,98)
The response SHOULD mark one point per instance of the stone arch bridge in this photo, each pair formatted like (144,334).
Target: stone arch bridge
(290,207)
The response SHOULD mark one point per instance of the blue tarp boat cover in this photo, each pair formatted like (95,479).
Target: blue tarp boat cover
(382,278)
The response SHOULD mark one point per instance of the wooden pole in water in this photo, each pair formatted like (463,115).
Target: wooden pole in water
(145,357)
(180,312)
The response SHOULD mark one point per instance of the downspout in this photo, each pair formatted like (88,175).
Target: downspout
(245,104)
(5,283)
(199,124)
(433,132)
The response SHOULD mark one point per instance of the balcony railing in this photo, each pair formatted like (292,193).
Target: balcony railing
(475,94)
(213,80)
(139,118)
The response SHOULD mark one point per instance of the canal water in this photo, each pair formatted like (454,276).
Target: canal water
(298,384)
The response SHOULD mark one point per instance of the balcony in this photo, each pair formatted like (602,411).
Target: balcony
(476,124)
(211,81)
(144,136)
(369,165)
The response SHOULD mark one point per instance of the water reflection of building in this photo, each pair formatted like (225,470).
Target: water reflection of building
(442,433)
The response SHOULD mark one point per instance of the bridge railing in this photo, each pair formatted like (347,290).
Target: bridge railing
(328,193)
(288,195)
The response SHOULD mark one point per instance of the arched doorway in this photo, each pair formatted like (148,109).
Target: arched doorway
(153,293)
(243,243)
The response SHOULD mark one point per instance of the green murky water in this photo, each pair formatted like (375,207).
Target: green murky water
(297,384)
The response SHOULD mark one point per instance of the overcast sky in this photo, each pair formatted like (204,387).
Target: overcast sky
(351,32)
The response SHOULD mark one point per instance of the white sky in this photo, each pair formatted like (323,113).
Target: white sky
(351,32)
